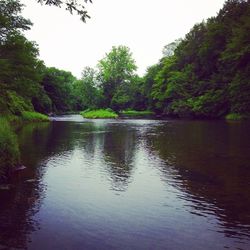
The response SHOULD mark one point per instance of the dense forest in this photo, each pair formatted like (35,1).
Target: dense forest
(204,75)
(208,73)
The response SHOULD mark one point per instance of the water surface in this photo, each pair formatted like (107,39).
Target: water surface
(130,184)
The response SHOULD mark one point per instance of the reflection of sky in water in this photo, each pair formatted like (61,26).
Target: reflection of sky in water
(140,184)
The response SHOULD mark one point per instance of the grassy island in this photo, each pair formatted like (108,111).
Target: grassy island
(235,117)
(136,113)
(99,114)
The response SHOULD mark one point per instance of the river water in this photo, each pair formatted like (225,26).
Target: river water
(129,184)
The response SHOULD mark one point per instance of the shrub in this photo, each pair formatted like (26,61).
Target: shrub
(12,103)
(34,117)
(17,104)
(9,150)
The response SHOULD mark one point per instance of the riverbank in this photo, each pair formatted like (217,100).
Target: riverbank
(109,113)
(9,148)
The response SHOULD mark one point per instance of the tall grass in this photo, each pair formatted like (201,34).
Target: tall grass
(9,150)
(34,117)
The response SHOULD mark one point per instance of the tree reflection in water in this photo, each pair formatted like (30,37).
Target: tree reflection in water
(206,162)
(119,150)
(210,163)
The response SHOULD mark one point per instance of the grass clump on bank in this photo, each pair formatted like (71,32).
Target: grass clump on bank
(235,117)
(137,113)
(9,150)
(99,113)
(29,116)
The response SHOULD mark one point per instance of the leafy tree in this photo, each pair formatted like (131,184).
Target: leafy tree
(20,69)
(169,49)
(86,91)
(58,84)
(117,70)
(207,75)
(10,19)
(138,99)
(73,6)
(149,81)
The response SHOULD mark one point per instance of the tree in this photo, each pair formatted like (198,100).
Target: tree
(20,69)
(10,19)
(207,73)
(86,91)
(169,49)
(58,85)
(73,6)
(117,70)
(149,81)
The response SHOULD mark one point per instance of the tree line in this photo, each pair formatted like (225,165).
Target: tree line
(204,75)
(208,73)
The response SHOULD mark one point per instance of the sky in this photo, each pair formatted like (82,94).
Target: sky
(145,26)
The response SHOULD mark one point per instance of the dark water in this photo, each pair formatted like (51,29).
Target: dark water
(130,184)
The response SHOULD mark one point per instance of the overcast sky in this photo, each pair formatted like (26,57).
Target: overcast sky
(145,26)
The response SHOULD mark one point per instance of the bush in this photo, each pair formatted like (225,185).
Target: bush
(34,117)
(17,104)
(42,103)
(12,103)
(212,104)
(9,150)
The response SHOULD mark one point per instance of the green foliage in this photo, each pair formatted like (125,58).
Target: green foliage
(10,20)
(129,95)
(206,74)
(87,91)
(210,105)
(9,150)
(120,100)
(18,104)
(41,102)
(117,71)
(169,49)
(100,113)
(20,67)
(75,6)
(12,103)
(136,112)
(28,116)
(239,93)
(234,116)
(58,84)
(25,83)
